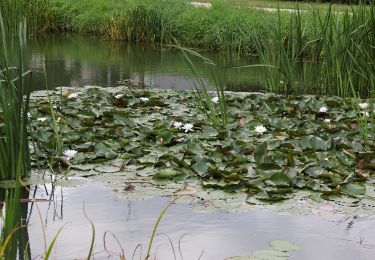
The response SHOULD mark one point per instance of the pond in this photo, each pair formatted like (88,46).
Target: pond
(215,235)
(286,177)
(76,60)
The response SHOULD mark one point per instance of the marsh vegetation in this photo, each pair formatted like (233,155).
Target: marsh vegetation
(244,148)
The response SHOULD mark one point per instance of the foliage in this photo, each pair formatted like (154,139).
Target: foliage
(216,112)
(134,20)
(333,58)
(302,148)
(14,103)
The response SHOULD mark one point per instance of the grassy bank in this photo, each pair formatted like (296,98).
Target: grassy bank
(325,50)
(303,5)
(216,28)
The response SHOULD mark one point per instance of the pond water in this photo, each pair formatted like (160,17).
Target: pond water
(73,60)
(76,60)
(214,235)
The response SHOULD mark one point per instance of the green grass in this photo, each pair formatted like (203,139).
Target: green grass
(150,21)
(329,54)
(216,114)
(14,102)
(302,5)
(318,50)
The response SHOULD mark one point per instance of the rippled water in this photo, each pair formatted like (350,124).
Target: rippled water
(218,235)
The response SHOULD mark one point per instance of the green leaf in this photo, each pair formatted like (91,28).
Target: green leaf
(260,152)
(315,171)
(167,173)
(283,245)
(268,169)
(201,168)
(280,179)
(354,188)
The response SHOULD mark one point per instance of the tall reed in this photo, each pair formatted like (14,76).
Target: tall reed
(14,102)
(331,53)
(215,111)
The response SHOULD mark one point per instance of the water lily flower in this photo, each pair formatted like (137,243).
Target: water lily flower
(365,113)
(327,120)
(118,96)
(72,95)
(42,119)
(363,105)
(323,109)
(70,153)
(144,99)
(29,115)
(260,129)
(215,100)
(177,125)
(187,127)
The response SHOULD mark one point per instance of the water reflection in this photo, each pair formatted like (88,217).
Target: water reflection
(74,60)
(218,235)
(14,224)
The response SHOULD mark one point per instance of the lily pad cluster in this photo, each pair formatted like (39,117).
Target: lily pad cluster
(301,147)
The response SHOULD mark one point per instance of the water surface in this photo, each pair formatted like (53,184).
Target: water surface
(78,60)
(218,235)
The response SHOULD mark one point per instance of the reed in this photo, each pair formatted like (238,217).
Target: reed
(330,54)
(215,111)
(14,103)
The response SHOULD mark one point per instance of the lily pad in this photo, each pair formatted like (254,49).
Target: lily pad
(107,169)
(283,245)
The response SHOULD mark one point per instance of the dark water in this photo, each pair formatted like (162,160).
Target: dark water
(76,60)
(218,235)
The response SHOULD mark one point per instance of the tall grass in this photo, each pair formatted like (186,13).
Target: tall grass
(14,102)
(38,13)
(215,112)
(330,53)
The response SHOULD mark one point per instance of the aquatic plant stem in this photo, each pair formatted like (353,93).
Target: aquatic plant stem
(156,226)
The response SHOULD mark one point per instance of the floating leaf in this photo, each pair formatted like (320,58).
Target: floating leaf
(260,152)
(166,173)
(268,169)
(270,254)
(280,179)
(283,245)
(201,168)
(354,188)
(107,169)
(315,171)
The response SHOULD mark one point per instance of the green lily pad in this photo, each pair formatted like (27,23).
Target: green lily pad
(107,169)
(283,245)
(354,188)
(269,254)
(167,173)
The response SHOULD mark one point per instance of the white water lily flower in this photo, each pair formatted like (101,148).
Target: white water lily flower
(215,100)
(70,153)
(144,99)
(260,129)
(118,96)
(327,120)
(72,95)
(323,109)
(42,119)
(29,115)
(363,105)
(177,125)
(187,127)
(365,113)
